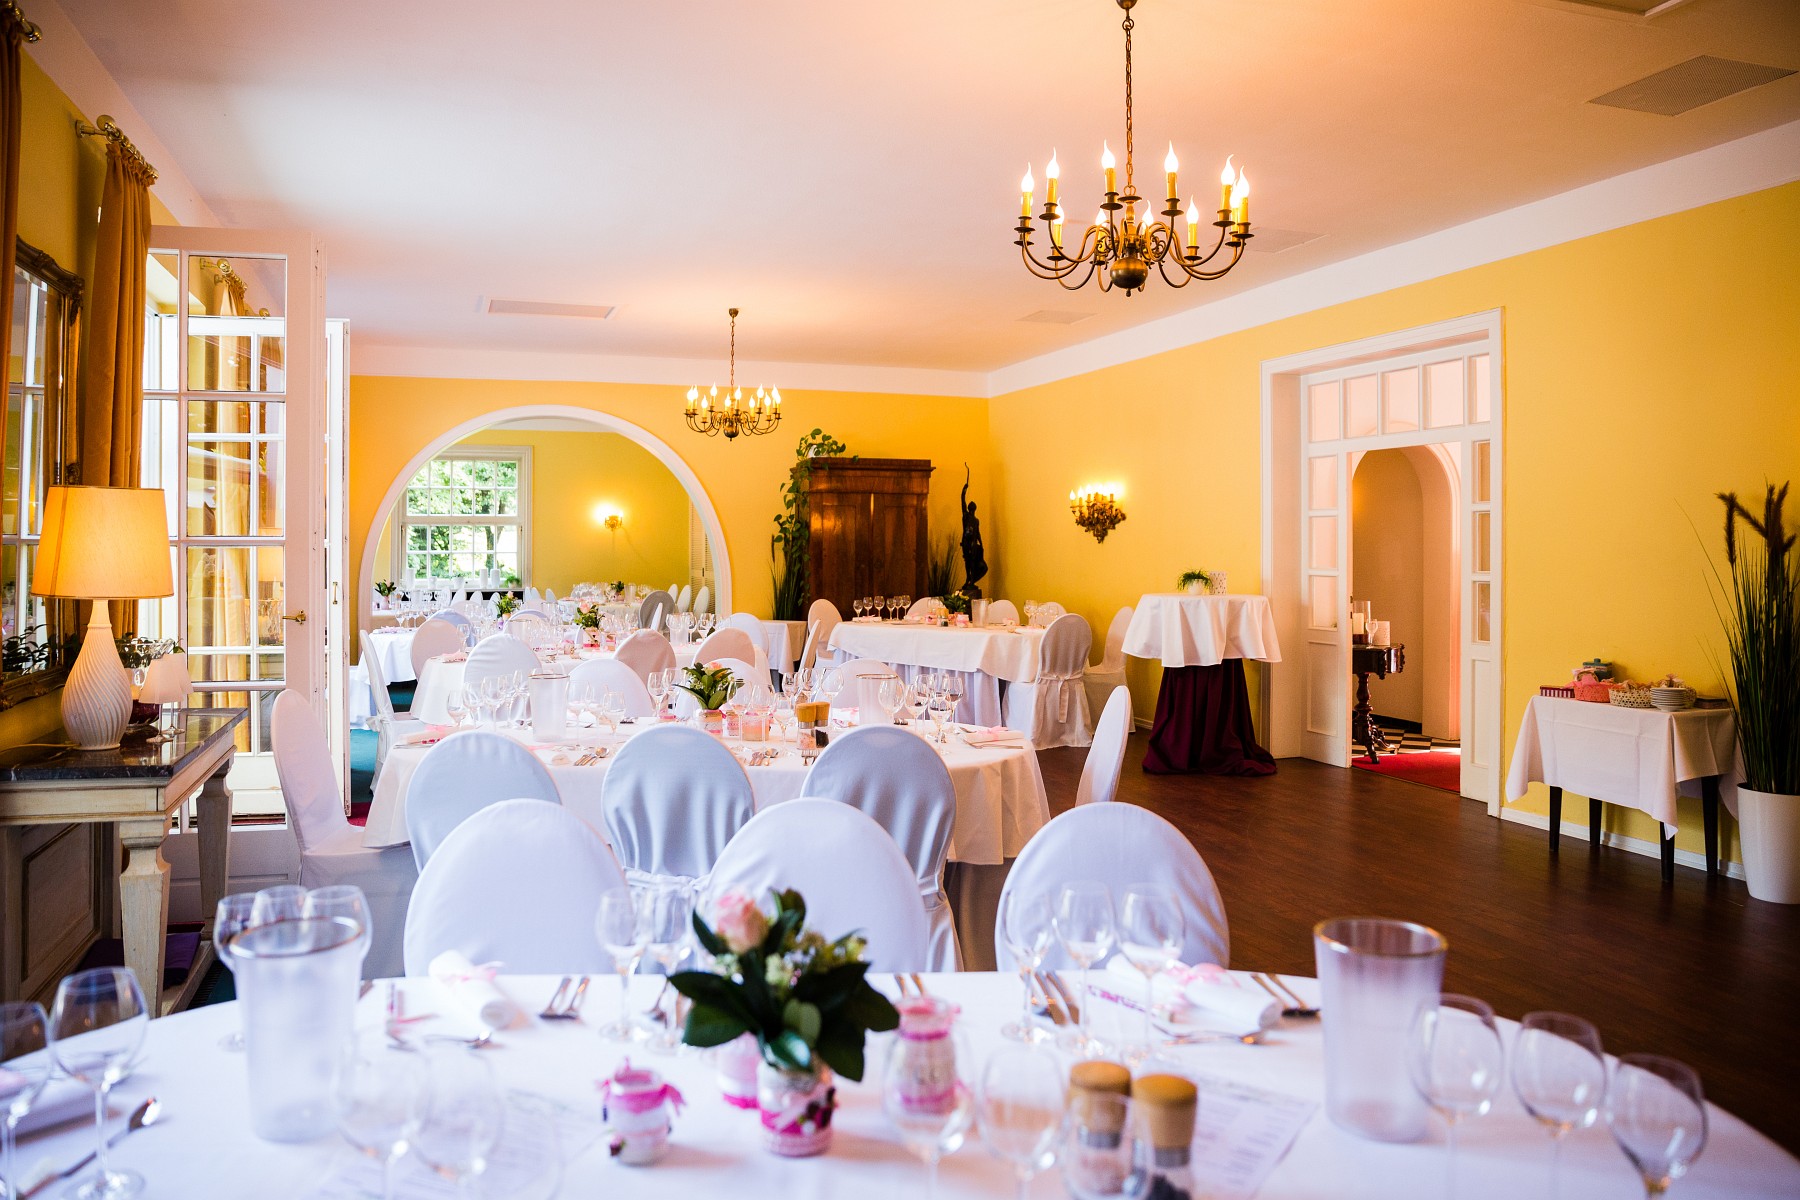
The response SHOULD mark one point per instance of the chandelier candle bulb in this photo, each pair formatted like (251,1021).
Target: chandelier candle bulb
(1112,175)
(1169,165)
(1240,200)
(1227,178)
(1027,192)
(1050,173)
(1193,218)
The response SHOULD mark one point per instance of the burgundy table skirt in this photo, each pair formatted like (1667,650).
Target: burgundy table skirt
(1202,724)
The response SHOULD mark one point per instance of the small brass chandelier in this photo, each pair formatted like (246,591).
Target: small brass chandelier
(1096,508)
(1118,249)
(708,414)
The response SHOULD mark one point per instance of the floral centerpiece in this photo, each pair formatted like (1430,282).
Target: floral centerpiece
(711,685)
(506,604)
(385,588)
(955,603)
(805,1000)
(587,617)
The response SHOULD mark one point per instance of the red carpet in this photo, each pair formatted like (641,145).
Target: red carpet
(1433,768)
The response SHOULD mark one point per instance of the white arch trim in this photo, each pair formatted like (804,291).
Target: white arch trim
(601,421)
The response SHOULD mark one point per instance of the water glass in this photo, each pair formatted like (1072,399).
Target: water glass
(24,1070)
(233,915)
(96,1028)
(1457,1063)
(1025,924)
(1150,938)
(1559,1075)
(1657,1114)
(668,920)
(463,1118)
(379,1095)
(1085,926)
(624,933)
(940,710)
(1020,1110)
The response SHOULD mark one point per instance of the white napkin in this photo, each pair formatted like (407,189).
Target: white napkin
(1198,996)
(472,989)
(428,736)
(62,1100)
(999,735)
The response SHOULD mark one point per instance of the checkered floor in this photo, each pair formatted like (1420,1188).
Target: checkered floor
(1411,741)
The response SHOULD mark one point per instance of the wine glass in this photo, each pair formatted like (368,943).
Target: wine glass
(283,903)
(233,915)
(1025,923)
(96,1028)
(379,1097)
(857,606)
(623,933)
(1456,1061)
(831,683)
(952,688)
(1150,931)
(918,700)
(463,1118)
(1559,1075)
(1097,1157)
(24,1070)
(925,1099)
(658,683)
(456,704)
(344,902)
(892,698)
(1020,1110)
(880,603)
(940,710)
(668,920)
(1657,1114)
(1084,925)
(1030,608)
(612,709)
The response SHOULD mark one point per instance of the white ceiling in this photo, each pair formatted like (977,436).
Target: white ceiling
(847,173)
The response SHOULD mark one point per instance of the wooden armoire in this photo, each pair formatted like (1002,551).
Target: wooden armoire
(867,520)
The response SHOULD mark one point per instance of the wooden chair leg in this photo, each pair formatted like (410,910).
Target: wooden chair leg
(1709,791)
(1555,820)
(1595,814)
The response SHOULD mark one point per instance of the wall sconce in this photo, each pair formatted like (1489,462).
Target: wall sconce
(608,516)
(1096,508)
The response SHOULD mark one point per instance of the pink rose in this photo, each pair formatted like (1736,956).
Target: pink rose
(739,921)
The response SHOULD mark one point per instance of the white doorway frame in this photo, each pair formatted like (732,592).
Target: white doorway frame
(1285,700)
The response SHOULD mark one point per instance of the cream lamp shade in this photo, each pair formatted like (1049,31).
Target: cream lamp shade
(101,543)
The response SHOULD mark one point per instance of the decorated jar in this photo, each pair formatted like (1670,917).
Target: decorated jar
(638,1108)
(736,1062)
(796,1108)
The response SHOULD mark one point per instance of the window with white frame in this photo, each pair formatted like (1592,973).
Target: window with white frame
(467,512)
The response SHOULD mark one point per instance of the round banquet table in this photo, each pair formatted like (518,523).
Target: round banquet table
(443,676)
(984,655)
(204,1148)
(1000,803)
(1203,722)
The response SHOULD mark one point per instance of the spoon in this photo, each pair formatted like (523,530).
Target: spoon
(144,1114)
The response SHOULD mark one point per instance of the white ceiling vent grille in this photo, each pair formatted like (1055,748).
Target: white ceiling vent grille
(1055,316)
(1274,241)
(550,308)
(1689,85)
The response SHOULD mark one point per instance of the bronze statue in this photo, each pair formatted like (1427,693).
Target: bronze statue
(974,564)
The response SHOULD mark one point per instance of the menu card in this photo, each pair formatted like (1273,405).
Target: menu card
(1242,1133)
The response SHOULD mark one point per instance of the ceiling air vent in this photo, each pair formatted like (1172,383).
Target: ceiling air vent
(550,308)
(1055,316)
(1689,85)
(1274,241)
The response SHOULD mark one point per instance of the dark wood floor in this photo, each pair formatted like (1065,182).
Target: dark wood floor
(1698,971)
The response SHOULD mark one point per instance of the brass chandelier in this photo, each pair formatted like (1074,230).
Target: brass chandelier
(708,414)
(1126,239)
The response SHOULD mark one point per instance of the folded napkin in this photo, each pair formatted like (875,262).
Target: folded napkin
(453,658)
(62,1100)
(998,735)
(1205,996)
(472,989)
(431,735)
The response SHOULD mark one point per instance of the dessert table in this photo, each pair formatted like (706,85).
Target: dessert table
(443,676)
(1203,722)
(204,1147)
(985,656)
(1642,758)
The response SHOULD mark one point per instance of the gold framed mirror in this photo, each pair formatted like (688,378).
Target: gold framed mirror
(38,637)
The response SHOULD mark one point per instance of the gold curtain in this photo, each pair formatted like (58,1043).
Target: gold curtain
(14,31)
(111,417)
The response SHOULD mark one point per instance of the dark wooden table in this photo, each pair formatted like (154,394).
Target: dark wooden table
(1379,661)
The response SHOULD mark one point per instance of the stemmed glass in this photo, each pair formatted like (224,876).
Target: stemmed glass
(463,1119)
(1657,1114)
(24,1070)
(379,1098)
(941,710)
(952,688)
(659,685)
(892,698)
(1020,1110)
(346,902)
(623,933)
(926,1099)
(233,915)
(668,921)
(1026,926)
(96,1028)
(831,683)
(1559,1075)
(1457,1062)
(456,704)
(1031,611)
(857,605)
(283,903)
(1150,932)
(879,604)
(611,709)
(918,700)
(1084,925)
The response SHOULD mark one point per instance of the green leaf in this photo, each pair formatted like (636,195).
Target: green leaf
(709,941)
(803,1019)
(711,1026)
(840,1044)
(791,1049)
(870,1009)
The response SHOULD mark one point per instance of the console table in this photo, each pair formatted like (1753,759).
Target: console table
(1379,661)
(136,788)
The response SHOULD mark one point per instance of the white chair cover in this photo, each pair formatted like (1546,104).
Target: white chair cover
(534,613)
(549,597)
(463,774)
(389,725)
(1099,681)
(1002,610)
(655,606)
(518,884)
(672,800)
(1106,757)
(433,638)
(533,598)
(895,777)
(924,605)
(331,849)
(862,688)
(744,621)
(455,618)
(864,884)
(497,654)
(1053,709)
(727,643)
(609,673)
(703,600)
(1119,845)
(822,617)
(685,601)
(646,651)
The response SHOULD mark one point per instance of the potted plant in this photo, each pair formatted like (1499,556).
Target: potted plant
(385,588)
(1760,609)
(804,1000)
(712,686)
(506,604)
(1194,583)
(587,619)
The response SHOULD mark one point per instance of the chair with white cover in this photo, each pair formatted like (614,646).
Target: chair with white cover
(389,725)
(519,884)
(862,688)
(331,849)
(896,778)
(1052,710)
(609,674)
(864,885)
(431,639)
(1099,681)
(1002,610)
(672,799)
(533,598)
(1106,757)
(462,775)
(549,598)
(654,608)
(685,601)
(1120,845)
(646,651)
(822,616)
(728,643)
(462,623)
(703,600)
(497,654)
(744,621)
(925,606)
(1049,611)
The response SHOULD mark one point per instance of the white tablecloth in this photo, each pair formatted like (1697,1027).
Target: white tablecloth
(205,1150)
(1009,654)
(444,677)
(784,640)
(1180,630)
(1638,757)
(394,647)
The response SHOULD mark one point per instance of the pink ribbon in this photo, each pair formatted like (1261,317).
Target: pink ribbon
(639,1100)
(487,972)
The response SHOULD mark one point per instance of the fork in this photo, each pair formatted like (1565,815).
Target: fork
(550,1012)
(1052,1006)
(1293,1005)
(572,1010)
(1067,997)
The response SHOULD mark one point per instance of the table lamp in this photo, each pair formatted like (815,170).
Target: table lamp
(100,544)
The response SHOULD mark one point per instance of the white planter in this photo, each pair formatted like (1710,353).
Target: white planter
(1769,826)
(1196,588)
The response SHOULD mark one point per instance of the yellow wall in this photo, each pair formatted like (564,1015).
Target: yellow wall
(392,419)
(1645,369)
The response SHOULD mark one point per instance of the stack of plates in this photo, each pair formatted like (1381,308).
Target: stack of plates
(1672,699)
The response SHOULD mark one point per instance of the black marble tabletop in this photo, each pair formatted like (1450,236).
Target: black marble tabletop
(52,759)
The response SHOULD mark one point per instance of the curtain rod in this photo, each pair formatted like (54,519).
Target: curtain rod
(107,128)
(30,31)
